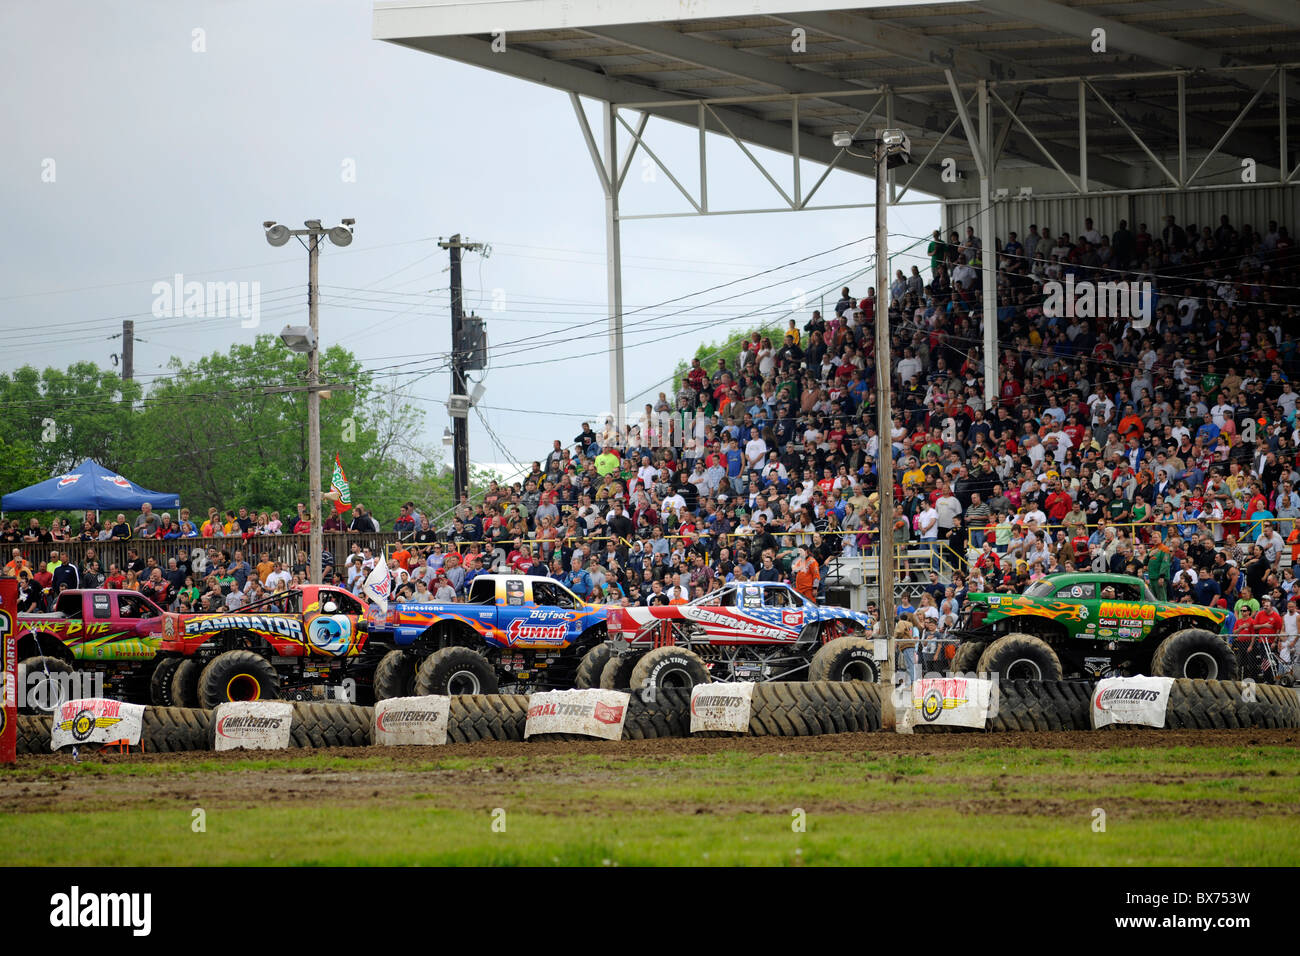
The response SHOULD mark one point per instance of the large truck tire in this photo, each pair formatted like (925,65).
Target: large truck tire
(670,666)
(845,659)
(592,666)
(160,681)
(395,675)
(185,683)
(237,676)
(453,671)
(1020,657)
(617,674)
(44,695)
(487,717)
(1194,654)
(175,729)
(967,658)
(330,725)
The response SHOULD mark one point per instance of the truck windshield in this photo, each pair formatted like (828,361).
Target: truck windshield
(1040,588)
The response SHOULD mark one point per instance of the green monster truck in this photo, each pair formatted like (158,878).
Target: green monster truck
(1090,626)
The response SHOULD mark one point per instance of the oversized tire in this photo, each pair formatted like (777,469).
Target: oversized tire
(235,676)
(330,725)
(175,729)
(592,666)
(666,667)
(1194,654)
(185,683)
(45,695)
(1217,705)
(395,676)
(967,658)
(33,733)
(160,681)
(844,659)
(1020,657)
(617,674)
(453,671)
(778,710)
(658,712)
(487,717)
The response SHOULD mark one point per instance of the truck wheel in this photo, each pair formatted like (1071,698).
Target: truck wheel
(1194,654)
(617,674)
(160,681)
(669,667)
(185,683)
(174,729)
(845,658)
(967,657)
(46,693)
(455,670)
(592,666)
(1021,657)
(238,675)
(395,676)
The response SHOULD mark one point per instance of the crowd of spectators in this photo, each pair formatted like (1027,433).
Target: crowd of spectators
(1167,449)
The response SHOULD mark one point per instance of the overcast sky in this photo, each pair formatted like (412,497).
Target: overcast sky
(165,160)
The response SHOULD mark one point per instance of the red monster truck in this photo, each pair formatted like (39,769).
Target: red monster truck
(308,650)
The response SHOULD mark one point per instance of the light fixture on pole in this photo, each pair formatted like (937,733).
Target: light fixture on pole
(306,339)
(890,148)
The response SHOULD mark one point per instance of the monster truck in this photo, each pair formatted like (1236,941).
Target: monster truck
(752,631)
(1090,626)
(309,650)
(516,631)
(96,642)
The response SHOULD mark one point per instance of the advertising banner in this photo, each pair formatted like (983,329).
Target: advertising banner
(592,713)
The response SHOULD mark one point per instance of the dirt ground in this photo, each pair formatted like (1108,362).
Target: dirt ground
(60,786)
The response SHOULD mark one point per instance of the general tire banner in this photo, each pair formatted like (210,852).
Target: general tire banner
(953,701)
(411,721)
(9,648)
(722,707)
(1130,700)
(252,725)
(592,713)
(96,720)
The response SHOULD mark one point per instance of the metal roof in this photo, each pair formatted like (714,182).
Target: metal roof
(759,75)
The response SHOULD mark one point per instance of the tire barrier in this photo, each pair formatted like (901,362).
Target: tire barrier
(330,725)
(163,730)
(1228,705)
(1030,706)
(805,709)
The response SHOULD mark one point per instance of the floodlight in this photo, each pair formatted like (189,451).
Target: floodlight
(349,222)
(447,437)
(340,235)
(1001,193)
(299,338)
(277,235)
(312,224)
(477,393)
(842,139)
(1026,192)
(892,137)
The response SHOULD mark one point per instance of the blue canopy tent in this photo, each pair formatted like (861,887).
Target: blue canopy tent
(88,487)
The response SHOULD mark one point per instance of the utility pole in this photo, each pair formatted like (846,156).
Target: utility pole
(459,385)
(307,340)
(884,432)
(128,349)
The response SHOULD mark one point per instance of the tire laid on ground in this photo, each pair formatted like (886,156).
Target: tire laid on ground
(592,666)
(185,683)
(395,676)
(1225,705)
(453,671)
(330,725)
(236,676)
(670,666)
(45,694)
(845,659)
(175,729)
(658,712)
(777,710)
(487,717)
(1194,654)
(861,702)
(1020,657)
(160,681)
(617,674)
(33,732)
(967,658)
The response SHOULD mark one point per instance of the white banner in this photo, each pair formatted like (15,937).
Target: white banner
(253,724)
(593,713)
(1131,700)
(96,720)
(953,701)
(721,706)
(419,721)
